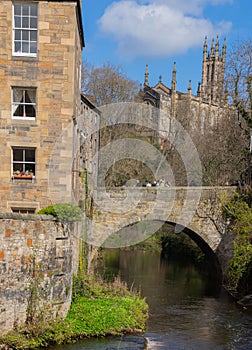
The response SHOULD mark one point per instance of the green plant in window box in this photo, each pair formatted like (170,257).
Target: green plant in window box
(21,174)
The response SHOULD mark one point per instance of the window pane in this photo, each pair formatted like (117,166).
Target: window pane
(18,167)
(18,111)
(30,168)
(30,155)
(26,17)
(17,9)
(25,47)
(17,47)
(34,10)
(33,35)
(25,22)
(25,10)
(24,103)
(33,47)
(17,22)
(23,210)
(30,111)
(33,22)
(17,154)
(24,160)
(25,35)
(17,95)
(17,34)
(30,96)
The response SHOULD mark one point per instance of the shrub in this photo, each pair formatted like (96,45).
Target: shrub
(238,210)
(63,212)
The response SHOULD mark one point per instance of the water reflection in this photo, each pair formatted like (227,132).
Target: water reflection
(186,311)
(126,342)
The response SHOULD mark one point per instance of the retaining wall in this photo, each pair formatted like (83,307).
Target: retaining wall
(37,259)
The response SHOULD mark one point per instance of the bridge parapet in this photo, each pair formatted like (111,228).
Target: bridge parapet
(148,193)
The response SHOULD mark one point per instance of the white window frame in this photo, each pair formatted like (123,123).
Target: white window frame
(23,166)
(25,29)
(23,103)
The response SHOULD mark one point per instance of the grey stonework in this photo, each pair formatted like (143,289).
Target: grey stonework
(38,257)
(124,216)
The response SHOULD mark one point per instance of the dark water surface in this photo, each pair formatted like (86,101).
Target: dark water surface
(186,311)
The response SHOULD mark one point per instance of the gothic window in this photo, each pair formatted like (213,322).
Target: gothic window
(203,117)
(193,121)
(213,70)
(23,162)
(24,103)
(212,118)
(25,29)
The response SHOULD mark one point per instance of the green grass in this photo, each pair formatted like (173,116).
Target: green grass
(97,310)
(102,316)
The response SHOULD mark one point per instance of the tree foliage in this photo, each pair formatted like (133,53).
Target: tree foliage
(238,213)
(107,84)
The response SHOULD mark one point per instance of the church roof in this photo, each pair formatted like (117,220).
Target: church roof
(160,87)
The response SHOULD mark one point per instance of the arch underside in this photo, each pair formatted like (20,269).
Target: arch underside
(138,232)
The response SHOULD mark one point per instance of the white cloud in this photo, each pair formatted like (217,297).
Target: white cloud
(193,7)
(159,28)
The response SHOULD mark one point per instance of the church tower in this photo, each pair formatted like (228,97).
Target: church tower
(213,67)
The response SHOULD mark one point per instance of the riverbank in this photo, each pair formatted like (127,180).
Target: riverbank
(97,310)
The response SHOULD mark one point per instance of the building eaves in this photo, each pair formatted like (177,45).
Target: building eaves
(89,103)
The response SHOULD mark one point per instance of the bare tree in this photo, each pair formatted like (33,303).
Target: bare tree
(107,84)
(239,78)
(223,151)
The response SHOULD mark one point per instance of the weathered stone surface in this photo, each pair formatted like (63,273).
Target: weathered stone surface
(55,74)
(37,260)
(196,210)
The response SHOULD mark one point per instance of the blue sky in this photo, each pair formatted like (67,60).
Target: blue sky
(133,33)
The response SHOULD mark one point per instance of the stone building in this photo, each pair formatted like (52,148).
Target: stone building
(85,164)
(196,112)
(90,135)
(40,88)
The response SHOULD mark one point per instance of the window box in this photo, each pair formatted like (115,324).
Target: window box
(23,163)
(23,176)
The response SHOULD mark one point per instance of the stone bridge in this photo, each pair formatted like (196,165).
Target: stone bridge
(126,216)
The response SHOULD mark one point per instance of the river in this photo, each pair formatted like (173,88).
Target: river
(186,312)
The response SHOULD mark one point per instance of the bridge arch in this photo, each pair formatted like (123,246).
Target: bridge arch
(123,238)
(127,209)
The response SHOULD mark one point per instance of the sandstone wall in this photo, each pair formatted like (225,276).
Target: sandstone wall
(55,75)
